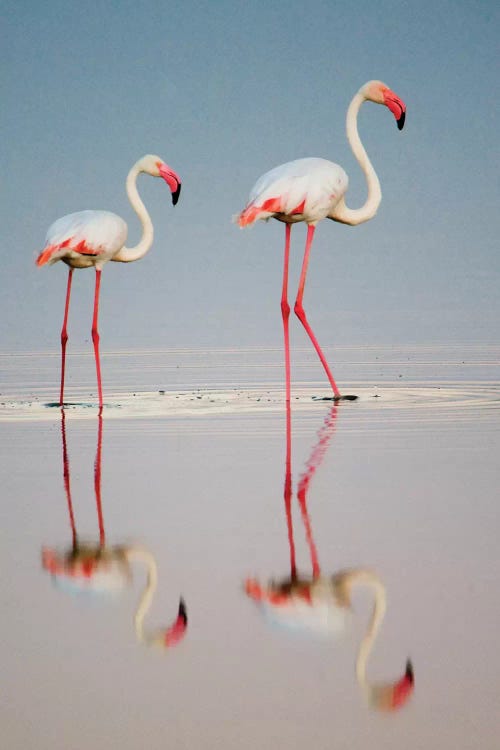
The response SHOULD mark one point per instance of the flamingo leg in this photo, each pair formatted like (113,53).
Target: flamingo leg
(97,482)
(67,482)
(300,312)
(313,552)
(315,459)
(95,336)
(64,337)
(288,492)
(285,310)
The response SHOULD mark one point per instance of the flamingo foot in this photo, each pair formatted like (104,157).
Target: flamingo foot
(56,404)
(346,397)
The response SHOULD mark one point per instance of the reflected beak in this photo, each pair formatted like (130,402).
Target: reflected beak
(395,696)
(177,631)
(404,688)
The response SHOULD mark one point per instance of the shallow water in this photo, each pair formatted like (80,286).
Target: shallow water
(192,468)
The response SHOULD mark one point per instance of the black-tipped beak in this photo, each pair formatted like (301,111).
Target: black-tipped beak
(401,121)
(409,672)
(182,613)
(176,193)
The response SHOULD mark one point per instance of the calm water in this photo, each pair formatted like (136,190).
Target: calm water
(190,458)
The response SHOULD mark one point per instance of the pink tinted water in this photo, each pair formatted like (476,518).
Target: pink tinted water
(407,487)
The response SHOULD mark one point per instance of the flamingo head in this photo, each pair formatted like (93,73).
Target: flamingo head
(156,167)
(394,695)
(378,92)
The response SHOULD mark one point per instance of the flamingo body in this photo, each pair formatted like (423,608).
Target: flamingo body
(301,190)
(92,570)
(84,239)
(307,606)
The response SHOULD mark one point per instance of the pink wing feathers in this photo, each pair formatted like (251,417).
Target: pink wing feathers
(306,188)
(85,233)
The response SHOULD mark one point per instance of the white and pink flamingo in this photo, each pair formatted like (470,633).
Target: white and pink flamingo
(321,605)
(92,238)
(98,568)
(313,189)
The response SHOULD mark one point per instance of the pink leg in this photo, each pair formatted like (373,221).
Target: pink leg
(95,336)
(288,492)
(67,481)
(97,482)
(285,310)
(301,496)
(300,313)
(64,337)
(315,459)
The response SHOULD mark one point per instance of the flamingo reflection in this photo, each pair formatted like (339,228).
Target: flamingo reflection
(321,604)
(100,568)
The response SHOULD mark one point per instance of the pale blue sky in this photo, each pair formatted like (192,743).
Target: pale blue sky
(223,92)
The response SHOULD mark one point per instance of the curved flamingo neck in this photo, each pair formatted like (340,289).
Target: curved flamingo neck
(343,213)
(163,637)
(142,555)
(129,254)
(370,579)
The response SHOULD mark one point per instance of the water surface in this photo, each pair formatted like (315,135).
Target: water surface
(192,468)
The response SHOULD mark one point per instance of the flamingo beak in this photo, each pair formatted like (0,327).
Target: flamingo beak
(175,194)
(395,696)
(397,107)
(404,687)
(172,180)
(177,631)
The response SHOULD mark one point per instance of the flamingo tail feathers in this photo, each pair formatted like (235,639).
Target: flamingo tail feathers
(47,254)
(51,253)
(254,212)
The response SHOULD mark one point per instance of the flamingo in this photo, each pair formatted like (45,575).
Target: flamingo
(319,604)
(313,189)
(99,568)
(92,238)
(91,568)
